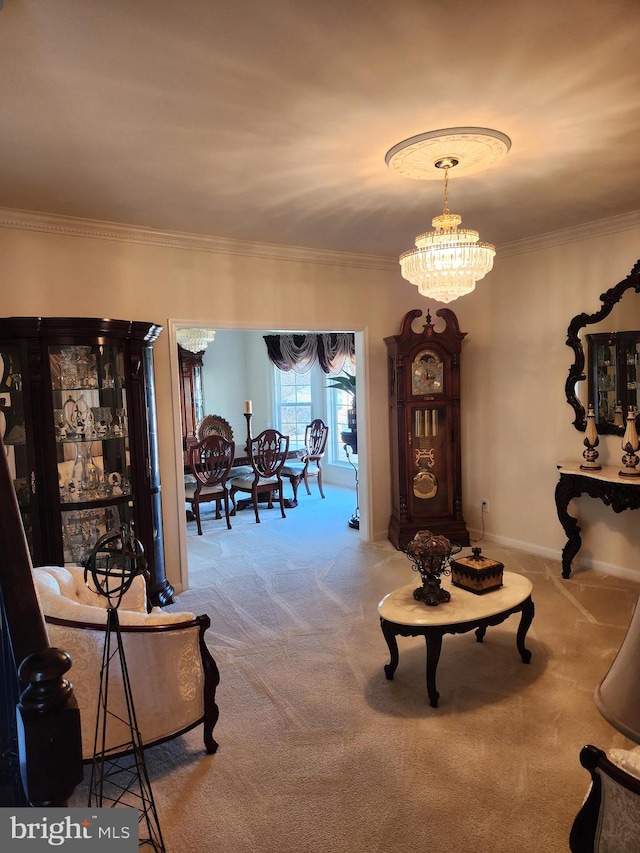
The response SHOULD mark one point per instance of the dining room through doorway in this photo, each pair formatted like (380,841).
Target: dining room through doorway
(235,370)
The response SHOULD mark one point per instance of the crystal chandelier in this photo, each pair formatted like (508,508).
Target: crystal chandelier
(447,262)
(195,340)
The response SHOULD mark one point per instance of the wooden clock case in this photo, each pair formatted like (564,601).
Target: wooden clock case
(424,413)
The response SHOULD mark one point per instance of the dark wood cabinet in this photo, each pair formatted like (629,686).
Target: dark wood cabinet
(191,398)
(78,418)
(424,409)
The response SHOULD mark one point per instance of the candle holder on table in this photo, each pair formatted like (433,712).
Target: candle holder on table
(630,445)
(247,447)
(591,441)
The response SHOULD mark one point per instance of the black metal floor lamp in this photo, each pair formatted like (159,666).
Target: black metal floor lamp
(119,774)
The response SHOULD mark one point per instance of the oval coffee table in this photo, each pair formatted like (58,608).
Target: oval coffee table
(401,614)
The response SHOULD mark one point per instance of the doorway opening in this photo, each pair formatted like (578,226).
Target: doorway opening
(227,396)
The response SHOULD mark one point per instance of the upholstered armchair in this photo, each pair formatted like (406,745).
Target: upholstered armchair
(609,820)
(173,676)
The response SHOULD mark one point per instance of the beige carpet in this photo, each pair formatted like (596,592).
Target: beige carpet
(319,752)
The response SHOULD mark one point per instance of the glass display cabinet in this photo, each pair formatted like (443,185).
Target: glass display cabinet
(78,420)
(424,403)
(613,375)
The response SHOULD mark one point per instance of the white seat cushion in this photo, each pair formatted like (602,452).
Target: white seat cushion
(246,483)
(190,491)
(241,471)
(293,469)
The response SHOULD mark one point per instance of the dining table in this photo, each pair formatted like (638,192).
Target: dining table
(240,459)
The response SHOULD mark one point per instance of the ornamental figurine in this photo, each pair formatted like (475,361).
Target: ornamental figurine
(430,557)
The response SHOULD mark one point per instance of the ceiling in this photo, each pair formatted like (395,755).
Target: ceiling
(269,120)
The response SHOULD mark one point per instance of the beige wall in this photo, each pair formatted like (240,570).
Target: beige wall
(52,274)
(234,369)
(516,422)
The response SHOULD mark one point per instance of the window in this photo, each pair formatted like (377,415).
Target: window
(300,397)
(293,404)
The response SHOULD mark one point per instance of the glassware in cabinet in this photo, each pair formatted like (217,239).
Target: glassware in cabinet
(90,423)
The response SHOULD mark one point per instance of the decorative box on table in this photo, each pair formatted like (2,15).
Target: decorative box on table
(476,573)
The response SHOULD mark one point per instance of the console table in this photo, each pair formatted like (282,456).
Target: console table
(618,492)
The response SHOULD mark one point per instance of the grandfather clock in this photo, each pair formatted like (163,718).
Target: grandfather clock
(424,410)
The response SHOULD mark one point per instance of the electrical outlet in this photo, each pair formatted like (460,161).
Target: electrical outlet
(485,505)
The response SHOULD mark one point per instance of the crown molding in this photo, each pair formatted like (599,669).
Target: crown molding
(70,226)
(599,228)
(49,223)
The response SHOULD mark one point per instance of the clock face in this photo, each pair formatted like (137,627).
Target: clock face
(427,374)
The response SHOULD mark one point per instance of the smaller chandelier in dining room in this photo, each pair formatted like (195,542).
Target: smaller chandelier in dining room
(447,262)
(195,340)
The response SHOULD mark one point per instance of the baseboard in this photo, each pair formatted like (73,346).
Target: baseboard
(540,551)
(555,554)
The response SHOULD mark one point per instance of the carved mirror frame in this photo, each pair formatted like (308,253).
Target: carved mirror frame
(576,372)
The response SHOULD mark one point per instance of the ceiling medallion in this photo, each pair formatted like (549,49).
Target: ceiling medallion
(447,262)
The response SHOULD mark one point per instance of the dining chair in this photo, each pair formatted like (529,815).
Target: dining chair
(267,454)
(310,464)
(211,460)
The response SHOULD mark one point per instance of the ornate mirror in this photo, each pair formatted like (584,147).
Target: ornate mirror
(614,354)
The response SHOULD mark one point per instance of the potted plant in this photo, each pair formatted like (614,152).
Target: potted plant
(347,383)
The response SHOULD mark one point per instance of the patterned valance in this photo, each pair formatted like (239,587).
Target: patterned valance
(333,351)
